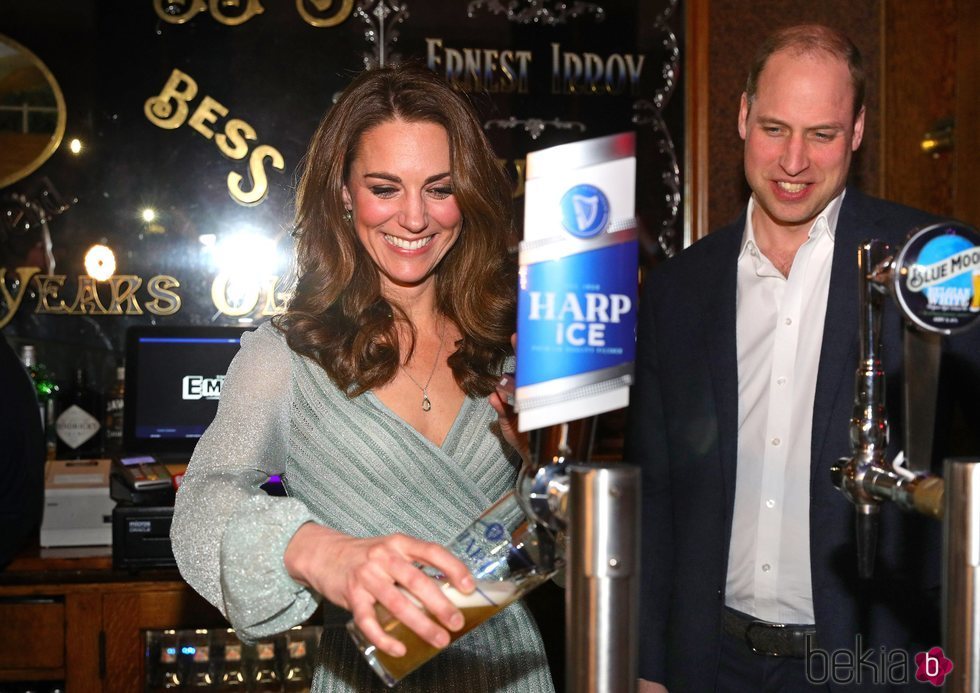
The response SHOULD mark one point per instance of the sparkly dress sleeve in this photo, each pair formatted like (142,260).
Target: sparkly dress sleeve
(228,536)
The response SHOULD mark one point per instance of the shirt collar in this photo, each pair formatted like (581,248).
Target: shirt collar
(826,222)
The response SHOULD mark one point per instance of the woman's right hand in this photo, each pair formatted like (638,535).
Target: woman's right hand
(357,574)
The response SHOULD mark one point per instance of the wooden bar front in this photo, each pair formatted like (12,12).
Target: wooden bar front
(66,615)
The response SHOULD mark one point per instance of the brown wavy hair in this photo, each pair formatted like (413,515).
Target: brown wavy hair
(337,315)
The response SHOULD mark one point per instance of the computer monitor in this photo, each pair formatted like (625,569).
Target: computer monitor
(173,382)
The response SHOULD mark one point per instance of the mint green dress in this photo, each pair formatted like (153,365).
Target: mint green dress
(355,466)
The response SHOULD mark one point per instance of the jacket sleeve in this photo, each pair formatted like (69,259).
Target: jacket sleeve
(228,536)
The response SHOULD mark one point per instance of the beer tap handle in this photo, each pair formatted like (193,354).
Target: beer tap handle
(922,354)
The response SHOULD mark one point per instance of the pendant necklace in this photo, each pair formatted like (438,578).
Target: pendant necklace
(426,404)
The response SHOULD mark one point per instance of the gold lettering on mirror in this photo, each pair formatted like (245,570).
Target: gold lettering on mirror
(165,301)
(178,11)
(253,296)
(32,112)
(124,287)
(321,6)
(252,8)
(48,286)
(256,173)
(87,298)
(314,12)
(247,294)
(13,302)
(181,11)
(170,109)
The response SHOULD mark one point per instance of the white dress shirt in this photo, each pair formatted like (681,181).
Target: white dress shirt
(779,329)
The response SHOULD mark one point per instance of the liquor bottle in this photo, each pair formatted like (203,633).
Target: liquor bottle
(78,425)
(297,673)
(47,390)
(113,420)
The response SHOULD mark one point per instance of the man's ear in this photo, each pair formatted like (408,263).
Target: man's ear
(858,134)
(743,115)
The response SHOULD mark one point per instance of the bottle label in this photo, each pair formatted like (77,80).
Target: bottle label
(75,426)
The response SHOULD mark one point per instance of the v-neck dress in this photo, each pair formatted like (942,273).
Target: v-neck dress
(355,466)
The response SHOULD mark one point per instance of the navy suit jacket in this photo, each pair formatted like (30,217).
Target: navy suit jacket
(683,430)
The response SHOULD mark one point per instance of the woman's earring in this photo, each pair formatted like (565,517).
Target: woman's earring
(348,217)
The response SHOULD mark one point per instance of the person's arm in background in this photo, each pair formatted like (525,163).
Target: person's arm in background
(21,456)
(646,446)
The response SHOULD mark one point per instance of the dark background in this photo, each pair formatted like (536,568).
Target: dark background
(280,74)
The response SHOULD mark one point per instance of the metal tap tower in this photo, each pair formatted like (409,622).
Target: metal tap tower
(596,508)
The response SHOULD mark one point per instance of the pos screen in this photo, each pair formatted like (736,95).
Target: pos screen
(173,382)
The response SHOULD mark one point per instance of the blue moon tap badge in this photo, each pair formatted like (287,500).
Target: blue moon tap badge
(937,278)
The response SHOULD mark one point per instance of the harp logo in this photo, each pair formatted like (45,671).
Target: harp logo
(584,211)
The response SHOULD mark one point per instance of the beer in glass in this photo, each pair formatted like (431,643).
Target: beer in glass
(508,557)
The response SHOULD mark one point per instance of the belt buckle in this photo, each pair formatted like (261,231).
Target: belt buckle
(763,626)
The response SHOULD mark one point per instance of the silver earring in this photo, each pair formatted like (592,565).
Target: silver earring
(348,217)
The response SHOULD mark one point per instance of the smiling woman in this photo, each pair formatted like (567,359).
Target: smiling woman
(32,112)
(373,397)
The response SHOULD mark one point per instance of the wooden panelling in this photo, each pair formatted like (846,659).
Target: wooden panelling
(918,92)
(967,113)
(38,627)
(82,654)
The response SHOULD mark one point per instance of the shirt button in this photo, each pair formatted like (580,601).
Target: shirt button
(770,503)
(789,321)
(775,442)
(766,567)
(780,380)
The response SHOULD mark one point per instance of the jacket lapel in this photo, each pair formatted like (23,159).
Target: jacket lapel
(722,353)
(838,352)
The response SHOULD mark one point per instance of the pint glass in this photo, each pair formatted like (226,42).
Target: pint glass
(508,557)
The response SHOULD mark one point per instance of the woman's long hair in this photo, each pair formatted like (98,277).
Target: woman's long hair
(337,315)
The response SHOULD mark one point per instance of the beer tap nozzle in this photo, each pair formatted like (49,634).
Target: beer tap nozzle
(869,421)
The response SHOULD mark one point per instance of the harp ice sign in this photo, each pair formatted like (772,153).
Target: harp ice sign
(576,326)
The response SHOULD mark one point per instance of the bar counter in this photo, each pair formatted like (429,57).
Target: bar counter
(67,615)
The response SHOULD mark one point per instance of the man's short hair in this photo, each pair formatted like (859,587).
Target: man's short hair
(806,39)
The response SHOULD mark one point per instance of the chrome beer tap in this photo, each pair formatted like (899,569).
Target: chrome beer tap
(865,478)
(593,508)
(934,278)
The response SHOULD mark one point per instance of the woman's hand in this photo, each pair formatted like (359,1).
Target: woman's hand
(508,424)
(506,413)
(357,574)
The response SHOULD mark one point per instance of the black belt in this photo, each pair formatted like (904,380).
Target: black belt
(773,639)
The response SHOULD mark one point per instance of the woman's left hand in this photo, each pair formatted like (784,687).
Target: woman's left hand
(507,415)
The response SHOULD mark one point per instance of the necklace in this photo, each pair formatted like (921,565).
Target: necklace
(426,403)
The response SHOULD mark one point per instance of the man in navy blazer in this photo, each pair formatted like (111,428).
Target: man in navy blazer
(746,356)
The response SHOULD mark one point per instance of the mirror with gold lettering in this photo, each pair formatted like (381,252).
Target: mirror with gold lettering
(32,112)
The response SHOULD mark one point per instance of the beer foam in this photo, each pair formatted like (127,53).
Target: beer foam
(487,593)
